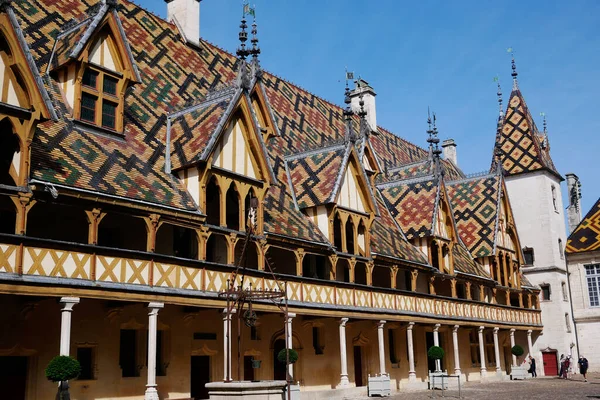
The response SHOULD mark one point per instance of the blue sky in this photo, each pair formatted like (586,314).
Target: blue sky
(443,54)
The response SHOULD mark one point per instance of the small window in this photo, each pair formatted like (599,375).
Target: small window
(561,250)
(110,85)
(392,346)
(88,107)
(109,114)
(545,292)
(86,356)
(592,273)
(99,99)
(564,291)
(554,198)
(567,322)
(528,254)
(254,333)
(316,336)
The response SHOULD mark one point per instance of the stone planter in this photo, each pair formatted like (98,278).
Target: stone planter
(379,385)
(518,372)
(438,380)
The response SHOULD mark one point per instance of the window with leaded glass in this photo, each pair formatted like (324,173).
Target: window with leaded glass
(592,273)
(99,98)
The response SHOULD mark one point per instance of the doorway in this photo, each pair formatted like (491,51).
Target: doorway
(200,376)
(13,377)
(248,370)
(358,372)
(279,373)
(550,363)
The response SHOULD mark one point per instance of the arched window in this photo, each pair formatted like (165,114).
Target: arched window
(216,249)
(435,261)
(232,208)
(350,236)
(213,203)
(362,239)
(337,232)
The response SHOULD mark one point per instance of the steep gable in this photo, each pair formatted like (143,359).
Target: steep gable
(586,237)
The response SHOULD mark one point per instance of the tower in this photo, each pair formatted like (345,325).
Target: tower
(534,187)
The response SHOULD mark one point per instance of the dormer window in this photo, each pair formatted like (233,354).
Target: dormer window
(99,100)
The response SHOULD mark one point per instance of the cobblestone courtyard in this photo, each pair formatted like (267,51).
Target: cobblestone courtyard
(534,389)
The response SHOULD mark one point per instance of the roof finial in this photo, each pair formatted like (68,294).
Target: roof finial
(242,52)
(514,73)
(348,110)
(429,132)
(545,139)
(434,141)
(255,49)
(499,94)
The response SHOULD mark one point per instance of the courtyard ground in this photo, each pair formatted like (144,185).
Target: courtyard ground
(530,389)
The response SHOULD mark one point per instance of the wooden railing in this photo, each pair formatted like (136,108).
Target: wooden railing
(43,258)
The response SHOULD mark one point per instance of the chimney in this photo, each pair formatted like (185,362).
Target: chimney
(362,86)
(449,148)
(574,208)
(186,15)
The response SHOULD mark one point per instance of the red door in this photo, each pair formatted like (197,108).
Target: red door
(550,364)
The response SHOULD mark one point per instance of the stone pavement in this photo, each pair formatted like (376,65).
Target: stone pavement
(531,389)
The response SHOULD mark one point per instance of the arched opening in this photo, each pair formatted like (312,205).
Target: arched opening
(173,240)
(213,203)
(403,279)
(10,154)
(248,204)
(475,293)
(382,276)
(501,297)
(360,273)
(232,208)
(216,249)
(514,300)
(250,258)
(314,266)
(446,257)
(342,271)
(337,232)
(362,239)
(350,236)
(435,261)
(509,278)
(8,215)
(122,231)
(58,222)
(282,261)
(443,287)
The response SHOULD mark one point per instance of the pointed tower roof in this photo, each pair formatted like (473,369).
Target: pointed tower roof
(521,149)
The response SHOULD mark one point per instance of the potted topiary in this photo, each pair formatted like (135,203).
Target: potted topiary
(62,369)
(292,356)
(436,379)
(517,371)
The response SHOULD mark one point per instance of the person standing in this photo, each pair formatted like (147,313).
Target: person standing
(532,367)
(583,366)
(562,365)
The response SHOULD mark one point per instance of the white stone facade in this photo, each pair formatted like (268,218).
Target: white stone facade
(587,317)
(538,211)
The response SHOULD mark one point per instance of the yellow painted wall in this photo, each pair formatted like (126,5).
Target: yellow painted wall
(349,195)
(233,153)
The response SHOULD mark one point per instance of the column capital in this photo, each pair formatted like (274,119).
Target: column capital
(529,332)
(155,307)
(380,324)
(410,326)
(455,328)
(496,329)
(512,332)
(344,321)
(436,327)
(291,315)
(481,328)
(69,302)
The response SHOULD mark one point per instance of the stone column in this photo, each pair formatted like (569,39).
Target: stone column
(529,344)
(227,345)
(512,344)
(456,353)
(344,382)
(497,350)
(436,342)
(380,325)
(65,323)
(151,393)
(482,352)
(412,376)
(288,340)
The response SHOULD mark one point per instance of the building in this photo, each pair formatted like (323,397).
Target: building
(533,184)
(583,258)
(133,154)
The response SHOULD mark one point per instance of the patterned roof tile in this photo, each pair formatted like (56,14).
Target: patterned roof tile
(586,237)
(463,262)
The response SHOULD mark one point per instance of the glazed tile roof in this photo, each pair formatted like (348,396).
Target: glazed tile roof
(586,237)
(464,262)
(314,174)
(519,140)
(193,127)
(412,203)
(475,205)
(388,240)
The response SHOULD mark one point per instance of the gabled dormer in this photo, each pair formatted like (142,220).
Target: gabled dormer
(94,67)
(219,154)
(263,112)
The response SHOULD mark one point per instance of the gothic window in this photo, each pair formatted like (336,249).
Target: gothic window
(213,203)
(232,208)
(337,233)
(592,273)
(545,292)
(528,254)
(350,237)
(554,198)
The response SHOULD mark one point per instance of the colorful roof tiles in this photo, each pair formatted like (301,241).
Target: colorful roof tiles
(586,237)
(475,205)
